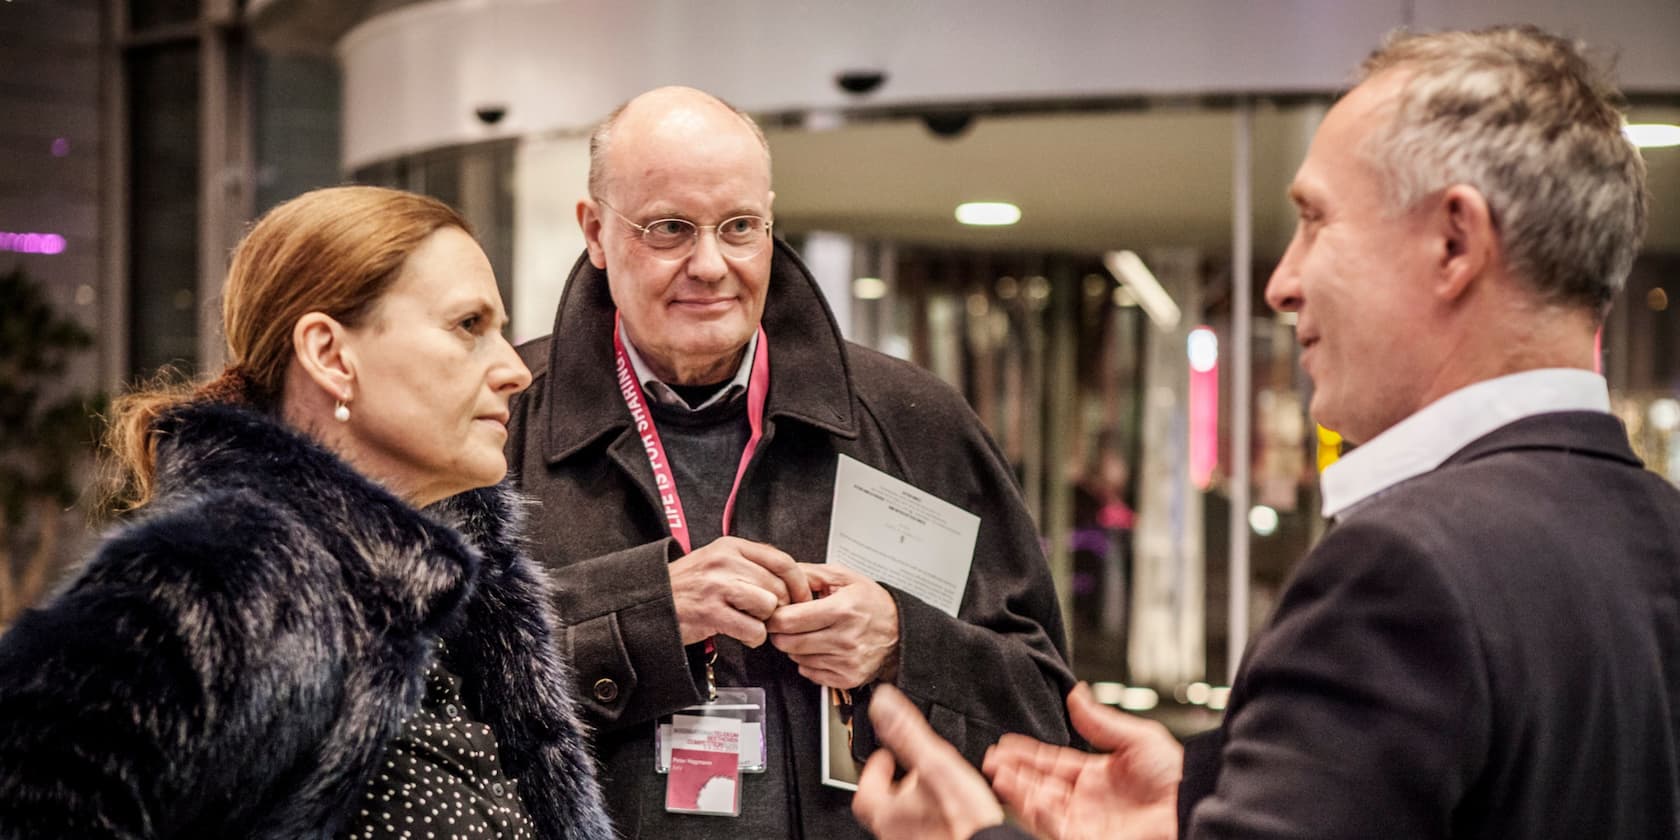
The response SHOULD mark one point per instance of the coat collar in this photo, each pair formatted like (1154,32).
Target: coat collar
(1594,434)
(455,570)
(1590,433)
(810,378)
(421,563)
(1425,439)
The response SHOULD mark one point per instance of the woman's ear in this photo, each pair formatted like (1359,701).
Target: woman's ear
(322,347)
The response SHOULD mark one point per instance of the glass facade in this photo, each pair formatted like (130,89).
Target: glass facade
(296,116)
(163,207)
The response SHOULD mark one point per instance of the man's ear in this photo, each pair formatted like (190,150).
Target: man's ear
(589,219)
(322,347)
(1469,240)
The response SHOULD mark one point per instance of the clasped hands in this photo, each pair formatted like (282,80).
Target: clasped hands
(838,626)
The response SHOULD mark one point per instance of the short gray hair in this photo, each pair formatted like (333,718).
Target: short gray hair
(1524,117)
(601,137)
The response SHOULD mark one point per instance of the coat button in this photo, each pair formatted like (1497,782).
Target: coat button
(498,789)
(451,711)
(606,690)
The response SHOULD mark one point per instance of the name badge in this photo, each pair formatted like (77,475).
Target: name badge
(745,705)
(705,770)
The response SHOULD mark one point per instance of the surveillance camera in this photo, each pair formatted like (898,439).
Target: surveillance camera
(948,125)
(859,82)
(490,114)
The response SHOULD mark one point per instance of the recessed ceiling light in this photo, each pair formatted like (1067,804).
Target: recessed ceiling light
(988,213)
(1652,135)
(869,288)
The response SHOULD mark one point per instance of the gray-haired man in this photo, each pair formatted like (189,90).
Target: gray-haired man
(1487,643)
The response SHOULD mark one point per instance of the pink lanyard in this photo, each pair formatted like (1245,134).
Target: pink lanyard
(758,387)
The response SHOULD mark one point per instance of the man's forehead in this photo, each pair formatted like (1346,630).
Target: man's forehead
(656,171)
(711,165)
(1365,109)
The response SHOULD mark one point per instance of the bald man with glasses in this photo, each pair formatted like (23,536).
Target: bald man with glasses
(683,432)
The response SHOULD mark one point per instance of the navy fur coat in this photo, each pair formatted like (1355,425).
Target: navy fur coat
(234,663)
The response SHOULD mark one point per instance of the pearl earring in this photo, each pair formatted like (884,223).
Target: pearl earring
(341,412)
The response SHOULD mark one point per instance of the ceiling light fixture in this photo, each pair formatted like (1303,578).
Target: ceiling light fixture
(1129,269)
(1652,135)
(1137,698)
(869,288)
(989,213)
(1108,693)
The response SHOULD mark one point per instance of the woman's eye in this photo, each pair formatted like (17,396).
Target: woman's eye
(470,324)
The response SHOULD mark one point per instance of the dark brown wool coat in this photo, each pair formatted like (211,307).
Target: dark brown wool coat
(999,667)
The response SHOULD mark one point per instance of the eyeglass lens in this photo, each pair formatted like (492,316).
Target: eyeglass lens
(741,236)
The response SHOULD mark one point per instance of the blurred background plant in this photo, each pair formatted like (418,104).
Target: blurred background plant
(47,440)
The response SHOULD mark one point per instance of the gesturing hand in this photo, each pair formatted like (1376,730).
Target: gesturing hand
(844,638)
(940,797)
(1065,794)
(730,586)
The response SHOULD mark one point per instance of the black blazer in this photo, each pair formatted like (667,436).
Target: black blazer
(1491,649)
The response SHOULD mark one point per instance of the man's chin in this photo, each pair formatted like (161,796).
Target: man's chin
(702,341)
(1330,422)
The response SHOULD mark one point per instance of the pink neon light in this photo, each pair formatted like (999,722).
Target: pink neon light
(1204,411)
(60,147)
(31,243)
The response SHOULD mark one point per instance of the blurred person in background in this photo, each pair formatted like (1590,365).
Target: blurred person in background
(319,619)
(687,305)
(1487,642)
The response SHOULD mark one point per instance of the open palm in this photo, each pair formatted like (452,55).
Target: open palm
(1130,791)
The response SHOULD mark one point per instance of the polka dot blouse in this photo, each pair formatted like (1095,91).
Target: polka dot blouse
(440,778)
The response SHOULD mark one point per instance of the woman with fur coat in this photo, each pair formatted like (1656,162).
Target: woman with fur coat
(320,621)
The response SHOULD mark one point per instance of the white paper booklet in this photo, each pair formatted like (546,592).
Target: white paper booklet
(901,536)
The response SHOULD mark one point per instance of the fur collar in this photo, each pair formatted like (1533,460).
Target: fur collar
(422,562)
(455,572)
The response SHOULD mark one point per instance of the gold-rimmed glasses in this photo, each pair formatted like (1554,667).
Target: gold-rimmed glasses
(738,237)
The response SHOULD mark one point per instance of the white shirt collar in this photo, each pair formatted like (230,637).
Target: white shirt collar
(661,393)
(1423,441)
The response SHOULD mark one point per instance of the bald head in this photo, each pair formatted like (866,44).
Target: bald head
(680,155)
(666,114)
